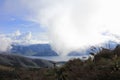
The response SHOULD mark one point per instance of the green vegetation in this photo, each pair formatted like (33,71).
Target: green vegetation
(104,66)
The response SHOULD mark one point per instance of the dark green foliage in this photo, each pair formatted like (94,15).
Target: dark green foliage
(105,66)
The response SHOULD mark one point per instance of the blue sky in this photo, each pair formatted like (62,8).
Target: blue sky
(10,21)
(13,24)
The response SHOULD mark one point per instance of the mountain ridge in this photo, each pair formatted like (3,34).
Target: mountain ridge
(33,50)
(15,60)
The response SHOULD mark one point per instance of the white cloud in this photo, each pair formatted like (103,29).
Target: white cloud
(17,33)
(73,24)
(5,43)
(18,38)
(26,38)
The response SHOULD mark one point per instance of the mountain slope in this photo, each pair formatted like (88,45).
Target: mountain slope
(33,50)
(20,61)
(94,49)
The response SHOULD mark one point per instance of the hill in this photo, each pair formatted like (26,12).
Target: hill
(21,61)
(33,50)
(104,66)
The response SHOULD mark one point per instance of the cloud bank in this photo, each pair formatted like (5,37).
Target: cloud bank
(26,38)
(74,24)
(18,38)
(5,43)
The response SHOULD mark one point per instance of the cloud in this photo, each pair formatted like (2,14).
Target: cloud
(22,38)
(26,38)
(17,33)
(5,43)
(73,24)
(18,38)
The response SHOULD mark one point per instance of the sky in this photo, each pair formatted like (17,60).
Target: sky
(67,25)
(15,28)
(11,22)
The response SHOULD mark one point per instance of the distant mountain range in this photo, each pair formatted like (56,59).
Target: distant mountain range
(33,50)
(46,50)
(94,49)
(14,59)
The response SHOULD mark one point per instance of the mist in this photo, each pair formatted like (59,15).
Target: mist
(5,43)
(74,24)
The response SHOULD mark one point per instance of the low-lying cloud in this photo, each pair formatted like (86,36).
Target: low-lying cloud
(5,43)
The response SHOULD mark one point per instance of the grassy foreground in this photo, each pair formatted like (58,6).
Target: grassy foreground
(104,66)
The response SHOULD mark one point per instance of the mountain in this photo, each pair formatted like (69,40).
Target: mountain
(46,50)
(33,50)
(21,61)
(94,49)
